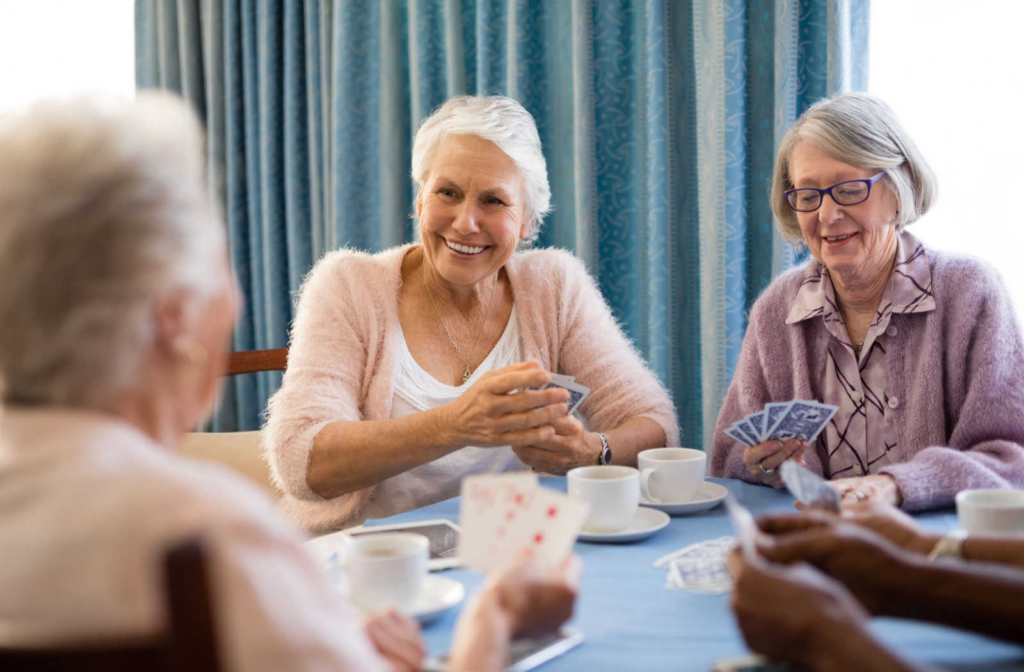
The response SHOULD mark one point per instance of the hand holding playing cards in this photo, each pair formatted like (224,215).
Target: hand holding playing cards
(517,600)
(882,519)
(487,415)
(570,447)
(398,639)
(788,613)
(764,459)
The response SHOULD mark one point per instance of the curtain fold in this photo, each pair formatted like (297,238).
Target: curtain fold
(659,121)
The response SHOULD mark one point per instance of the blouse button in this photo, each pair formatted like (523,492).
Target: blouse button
(894,402)
(856,395)
(892,330)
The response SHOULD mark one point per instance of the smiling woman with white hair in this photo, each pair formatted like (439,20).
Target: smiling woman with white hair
(920,350)
(402,363)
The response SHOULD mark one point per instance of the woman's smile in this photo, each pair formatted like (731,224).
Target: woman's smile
(463,250)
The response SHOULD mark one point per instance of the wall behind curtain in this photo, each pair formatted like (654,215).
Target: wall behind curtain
(659,121)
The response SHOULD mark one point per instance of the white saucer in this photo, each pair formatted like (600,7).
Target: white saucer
(709,496)
(440,594)
(645,523)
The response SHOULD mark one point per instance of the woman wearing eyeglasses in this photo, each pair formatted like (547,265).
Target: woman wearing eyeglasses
(919,350)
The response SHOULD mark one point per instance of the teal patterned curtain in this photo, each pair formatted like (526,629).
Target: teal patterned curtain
(659,120)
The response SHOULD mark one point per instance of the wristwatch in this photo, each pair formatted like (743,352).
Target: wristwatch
(606,452)
(950,546)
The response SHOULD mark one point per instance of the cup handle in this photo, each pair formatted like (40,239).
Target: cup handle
(645,477)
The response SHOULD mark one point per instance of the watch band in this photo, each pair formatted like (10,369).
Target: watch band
(949,546)
(606,452)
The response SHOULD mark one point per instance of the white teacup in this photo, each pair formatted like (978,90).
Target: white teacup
(612,493)
(671,475)
(386,570)
(991,511)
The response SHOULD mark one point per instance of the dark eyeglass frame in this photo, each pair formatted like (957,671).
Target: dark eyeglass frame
(828,190)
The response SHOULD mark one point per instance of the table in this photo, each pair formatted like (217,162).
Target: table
(632,622)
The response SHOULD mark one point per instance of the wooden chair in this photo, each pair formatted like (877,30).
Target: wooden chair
(189,644)
(239,451)
(253,361)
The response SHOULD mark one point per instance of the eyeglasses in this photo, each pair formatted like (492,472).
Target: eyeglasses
(850,192)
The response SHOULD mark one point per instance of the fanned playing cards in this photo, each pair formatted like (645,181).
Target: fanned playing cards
(797,419)
(502,514)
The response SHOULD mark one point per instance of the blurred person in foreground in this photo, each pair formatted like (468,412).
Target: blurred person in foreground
(818,579)
(920,350)
(117,302)
(402,363)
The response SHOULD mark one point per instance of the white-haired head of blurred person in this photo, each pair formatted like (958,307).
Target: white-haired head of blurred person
(116,293)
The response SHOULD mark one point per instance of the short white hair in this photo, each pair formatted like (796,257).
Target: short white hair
(104,208)
(860,130)
(496,119)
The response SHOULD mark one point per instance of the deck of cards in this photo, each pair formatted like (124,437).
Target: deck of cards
(577,392)
(797,419)
(808,487)
(500,515)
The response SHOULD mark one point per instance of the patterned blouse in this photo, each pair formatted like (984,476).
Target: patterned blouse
(859,437)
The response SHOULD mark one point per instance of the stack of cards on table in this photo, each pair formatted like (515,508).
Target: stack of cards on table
(700,567)
(577,392)
(797,419)
(501,515)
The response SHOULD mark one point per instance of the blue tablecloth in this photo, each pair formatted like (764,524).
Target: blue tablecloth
(632,622)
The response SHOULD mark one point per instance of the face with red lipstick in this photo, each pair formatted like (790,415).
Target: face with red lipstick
(471,209)
(855,242)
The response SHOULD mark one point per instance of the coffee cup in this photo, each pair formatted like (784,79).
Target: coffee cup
(991,511)
(671,475)
(386,570)
(612,493)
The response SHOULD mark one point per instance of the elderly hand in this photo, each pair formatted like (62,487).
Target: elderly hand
(883,519)
(763,459)
(861,559)
(487,415)
(570,447)
(398,639)
(785,612)
(875,488)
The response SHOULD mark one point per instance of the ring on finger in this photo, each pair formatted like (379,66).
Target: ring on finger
(766,472)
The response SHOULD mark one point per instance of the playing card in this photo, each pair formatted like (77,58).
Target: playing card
(577,392)
(713,549)
(808,487)
(700,576)
(751,439)
(489,504)
(756,422)
(747,427)
(744,525)
(738,435)
(772,414)
(804,420)
(548,526)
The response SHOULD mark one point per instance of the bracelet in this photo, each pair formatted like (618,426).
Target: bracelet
(949,546)
(606,452)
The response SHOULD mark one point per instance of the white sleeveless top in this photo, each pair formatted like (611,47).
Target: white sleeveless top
(417,391)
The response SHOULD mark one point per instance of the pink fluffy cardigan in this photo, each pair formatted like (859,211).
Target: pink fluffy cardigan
(957,373)
(344,345)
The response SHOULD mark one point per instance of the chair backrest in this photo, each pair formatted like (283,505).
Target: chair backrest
(253,361)
(188,645)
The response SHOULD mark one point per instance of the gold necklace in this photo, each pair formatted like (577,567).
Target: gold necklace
(469,371)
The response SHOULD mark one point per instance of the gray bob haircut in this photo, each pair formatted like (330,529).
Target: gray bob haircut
(860,130)
(508,125)
(104,209)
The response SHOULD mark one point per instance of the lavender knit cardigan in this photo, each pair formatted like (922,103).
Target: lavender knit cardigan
(957,371)
(344,344)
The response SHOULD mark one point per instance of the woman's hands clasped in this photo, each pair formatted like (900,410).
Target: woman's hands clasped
(487,415)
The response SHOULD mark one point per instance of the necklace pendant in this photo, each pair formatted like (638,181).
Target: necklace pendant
(466,375)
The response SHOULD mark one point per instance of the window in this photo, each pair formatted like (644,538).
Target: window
(952,72)
(61,47)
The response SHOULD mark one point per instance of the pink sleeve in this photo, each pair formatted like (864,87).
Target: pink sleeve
(326,360)
(596,351)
